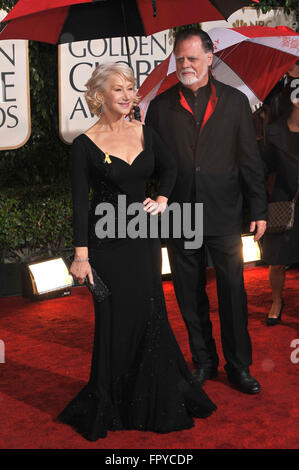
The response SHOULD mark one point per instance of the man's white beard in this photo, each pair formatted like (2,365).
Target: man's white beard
(190,80)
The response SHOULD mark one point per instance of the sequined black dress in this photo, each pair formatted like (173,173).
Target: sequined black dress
(139,378)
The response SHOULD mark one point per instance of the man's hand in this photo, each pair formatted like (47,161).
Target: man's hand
(260,226)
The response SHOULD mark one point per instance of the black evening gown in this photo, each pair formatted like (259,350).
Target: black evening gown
(139,378)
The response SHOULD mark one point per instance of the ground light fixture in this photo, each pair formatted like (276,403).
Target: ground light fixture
(46,279)
(252,252)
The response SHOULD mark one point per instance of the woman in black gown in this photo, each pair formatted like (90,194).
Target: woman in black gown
(139,378)
(282,157)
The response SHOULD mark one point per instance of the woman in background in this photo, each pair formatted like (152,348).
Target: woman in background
(282,157)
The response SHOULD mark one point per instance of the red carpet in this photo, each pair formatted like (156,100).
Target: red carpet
(48,351)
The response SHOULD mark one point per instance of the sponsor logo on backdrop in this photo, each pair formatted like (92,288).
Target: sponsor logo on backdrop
(77,61)
(15,122)
(252,17)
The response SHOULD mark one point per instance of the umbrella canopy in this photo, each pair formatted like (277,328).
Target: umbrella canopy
(254,58)
(61,21)
(251,58)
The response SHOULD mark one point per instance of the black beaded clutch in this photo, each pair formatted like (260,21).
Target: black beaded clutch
(98,289)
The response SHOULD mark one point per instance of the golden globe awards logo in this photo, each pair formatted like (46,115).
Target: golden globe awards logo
(14,93)
(77,61)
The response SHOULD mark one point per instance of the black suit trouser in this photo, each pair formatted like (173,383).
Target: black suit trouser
(188,274)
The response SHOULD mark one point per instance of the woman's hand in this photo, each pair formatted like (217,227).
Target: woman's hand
(79,270)
(157,206)
(132,118)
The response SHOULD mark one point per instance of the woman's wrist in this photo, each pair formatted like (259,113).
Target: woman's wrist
(81,254)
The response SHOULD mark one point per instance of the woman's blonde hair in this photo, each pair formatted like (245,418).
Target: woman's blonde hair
(97,83)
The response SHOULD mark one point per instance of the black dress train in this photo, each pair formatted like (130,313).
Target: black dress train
(139,378)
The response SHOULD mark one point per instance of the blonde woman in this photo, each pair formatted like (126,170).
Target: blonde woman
(139,378)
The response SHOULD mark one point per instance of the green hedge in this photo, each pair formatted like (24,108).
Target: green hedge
(287,5)
(35,221)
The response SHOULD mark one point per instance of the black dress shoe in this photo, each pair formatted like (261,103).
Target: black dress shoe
(271,321)
(201,374)
(243,381)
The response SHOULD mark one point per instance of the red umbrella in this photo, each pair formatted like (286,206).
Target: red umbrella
(251,58)
(61,21)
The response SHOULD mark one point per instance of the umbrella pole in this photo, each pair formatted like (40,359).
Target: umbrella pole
(126,34)
(128,51)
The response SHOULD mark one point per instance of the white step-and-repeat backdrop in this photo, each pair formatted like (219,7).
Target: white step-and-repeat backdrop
(15,127)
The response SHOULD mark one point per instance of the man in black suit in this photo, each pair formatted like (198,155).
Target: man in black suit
(209,128)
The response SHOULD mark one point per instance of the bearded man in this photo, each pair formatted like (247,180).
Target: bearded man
(209,128)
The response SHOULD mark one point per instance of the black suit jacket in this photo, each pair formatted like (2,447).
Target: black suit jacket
(224,161)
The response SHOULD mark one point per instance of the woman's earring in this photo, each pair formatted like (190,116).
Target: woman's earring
(101,103)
